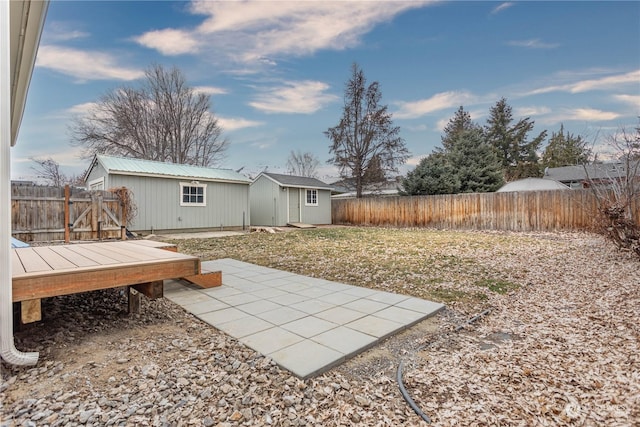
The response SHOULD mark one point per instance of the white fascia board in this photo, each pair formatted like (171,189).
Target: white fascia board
(26,22)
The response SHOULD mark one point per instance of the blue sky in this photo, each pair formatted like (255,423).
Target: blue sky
(276,69)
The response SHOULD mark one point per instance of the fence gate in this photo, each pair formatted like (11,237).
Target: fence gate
(97,213)
(44,214)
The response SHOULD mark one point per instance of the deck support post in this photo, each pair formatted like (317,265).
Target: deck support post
(30,311)
(134,301)
(151,290)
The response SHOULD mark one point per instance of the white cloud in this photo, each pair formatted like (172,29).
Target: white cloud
(439,101)
(169,41)
(256,31)
(84,65)
(533,44)
(582,114)
(210,90)
(603,83)
(440,124)
(230,124)
(62,31)
(501,7)
(82,109)
(634,100)
(302,97)
(531,111)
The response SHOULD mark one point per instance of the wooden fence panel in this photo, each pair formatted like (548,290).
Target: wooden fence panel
(514,211)
(43,214)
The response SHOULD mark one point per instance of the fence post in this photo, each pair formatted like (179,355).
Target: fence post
(67,216)
(94,215)
(123,218)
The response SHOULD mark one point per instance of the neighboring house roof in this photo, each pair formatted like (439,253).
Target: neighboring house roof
(596,171)
(295,181)
(532,184)
(139,167)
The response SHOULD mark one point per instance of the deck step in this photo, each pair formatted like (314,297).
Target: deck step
(206,279)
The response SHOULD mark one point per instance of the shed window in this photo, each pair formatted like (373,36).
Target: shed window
(193,194)
(97,184)
(312,198)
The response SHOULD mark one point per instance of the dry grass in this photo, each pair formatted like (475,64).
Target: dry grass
(442,266)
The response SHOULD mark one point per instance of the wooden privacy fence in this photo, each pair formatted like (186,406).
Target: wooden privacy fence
(514,211)
(42,214)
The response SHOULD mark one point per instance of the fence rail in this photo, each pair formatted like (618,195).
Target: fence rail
(41,214)
(513,211)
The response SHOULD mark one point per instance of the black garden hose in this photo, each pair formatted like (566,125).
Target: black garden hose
(408,398)
(403,390)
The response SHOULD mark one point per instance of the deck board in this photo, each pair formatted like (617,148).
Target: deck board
(31,261)
(61,270)
(53,259)
(93,254)
(73,257)
(141,251)
(153,244)
(16,265)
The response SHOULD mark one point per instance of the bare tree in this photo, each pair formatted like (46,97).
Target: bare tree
(617,191)
(163,120)
(365,137)
(49,170)
(302,164)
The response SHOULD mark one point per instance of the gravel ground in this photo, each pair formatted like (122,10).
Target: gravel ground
(559,347)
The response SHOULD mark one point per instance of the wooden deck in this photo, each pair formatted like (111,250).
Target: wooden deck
(47,271)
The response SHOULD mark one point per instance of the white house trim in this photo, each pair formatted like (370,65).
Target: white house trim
(21,24)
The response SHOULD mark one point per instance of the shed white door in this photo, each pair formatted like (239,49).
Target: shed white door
(294,205)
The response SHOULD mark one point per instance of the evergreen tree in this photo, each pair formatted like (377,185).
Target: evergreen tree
(433,175)
(460,122)
(475,163)
(518,155)
(565,150)
(469,166)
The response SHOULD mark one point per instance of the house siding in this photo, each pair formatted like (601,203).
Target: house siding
(98,172)
(268,203)
(158,203)
(320,214)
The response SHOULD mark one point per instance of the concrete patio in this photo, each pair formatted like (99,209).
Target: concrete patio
(306,325)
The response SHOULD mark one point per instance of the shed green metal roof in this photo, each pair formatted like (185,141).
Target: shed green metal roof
(139,167)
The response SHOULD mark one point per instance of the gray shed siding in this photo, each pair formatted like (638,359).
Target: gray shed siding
(268,203)
(98,172)
(320,214)
(158,203)
(271,205)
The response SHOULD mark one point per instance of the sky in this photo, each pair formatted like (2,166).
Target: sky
(276,70)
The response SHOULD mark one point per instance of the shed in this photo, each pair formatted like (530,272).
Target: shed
(532,184)
(172,197)
(278,200)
